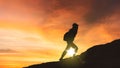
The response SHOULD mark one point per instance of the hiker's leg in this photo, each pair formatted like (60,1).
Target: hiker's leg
(64,53)
(75,47)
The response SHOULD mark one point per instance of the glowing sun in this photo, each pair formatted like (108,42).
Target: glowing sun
(71,51)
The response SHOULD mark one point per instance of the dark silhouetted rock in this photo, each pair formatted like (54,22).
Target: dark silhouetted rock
(99,56)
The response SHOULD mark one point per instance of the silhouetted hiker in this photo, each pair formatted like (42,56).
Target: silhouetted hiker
(69,38)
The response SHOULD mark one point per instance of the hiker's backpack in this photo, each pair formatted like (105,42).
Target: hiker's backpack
(66,37)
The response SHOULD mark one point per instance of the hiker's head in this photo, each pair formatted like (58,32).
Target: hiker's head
(75,25)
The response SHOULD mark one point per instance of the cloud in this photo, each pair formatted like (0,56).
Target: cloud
(102,9)
(7,51)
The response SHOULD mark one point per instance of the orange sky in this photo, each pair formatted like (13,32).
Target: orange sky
(31,31)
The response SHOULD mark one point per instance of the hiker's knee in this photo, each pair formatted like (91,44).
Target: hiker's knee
(76,49)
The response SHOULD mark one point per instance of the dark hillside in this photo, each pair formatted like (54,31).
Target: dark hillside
(100,56)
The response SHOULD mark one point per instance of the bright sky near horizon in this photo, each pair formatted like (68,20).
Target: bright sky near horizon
(31,31)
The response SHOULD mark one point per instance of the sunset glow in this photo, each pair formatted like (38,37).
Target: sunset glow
(31,31)
(71,51)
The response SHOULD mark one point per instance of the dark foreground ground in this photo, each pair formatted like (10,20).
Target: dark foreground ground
(99,56)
